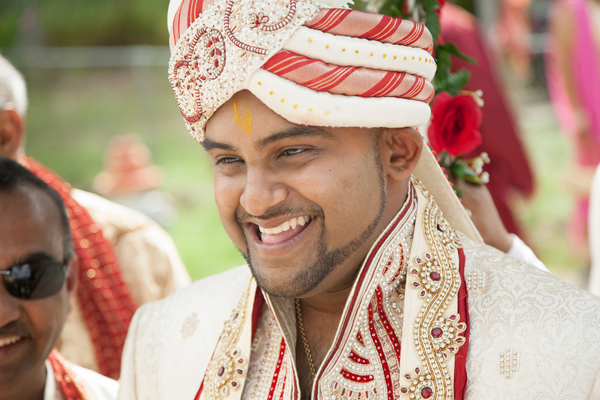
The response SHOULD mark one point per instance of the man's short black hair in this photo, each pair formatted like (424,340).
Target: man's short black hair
(14,175)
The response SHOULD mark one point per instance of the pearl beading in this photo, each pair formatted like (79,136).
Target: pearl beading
(231,36)
(436,336)
(202,79)
(369,338)
(266,355)
(228,365)
(366,361)
(284,22)
(509,363)
(475,281)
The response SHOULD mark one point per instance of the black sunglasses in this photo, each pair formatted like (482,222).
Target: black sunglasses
(35,280)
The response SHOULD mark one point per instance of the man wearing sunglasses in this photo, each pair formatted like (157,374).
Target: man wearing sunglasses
(37,270)
(126,259)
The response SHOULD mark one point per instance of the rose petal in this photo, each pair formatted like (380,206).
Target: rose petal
(455,124)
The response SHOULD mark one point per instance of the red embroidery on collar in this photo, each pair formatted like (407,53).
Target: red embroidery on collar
(71,387)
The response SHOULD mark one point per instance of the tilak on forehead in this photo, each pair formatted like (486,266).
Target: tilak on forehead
(243,119)
(309,63)
(313,65)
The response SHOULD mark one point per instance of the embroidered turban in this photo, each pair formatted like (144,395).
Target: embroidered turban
(311,63)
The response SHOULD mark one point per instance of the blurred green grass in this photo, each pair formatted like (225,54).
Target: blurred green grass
(83,23)
(73,113)
(546,214)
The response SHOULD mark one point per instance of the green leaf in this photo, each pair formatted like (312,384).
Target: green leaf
(440,79)
(458,168)
(473,179)
(393,8)
(450,48)
(433,22)
(455,82)
(444,158)
(459,79)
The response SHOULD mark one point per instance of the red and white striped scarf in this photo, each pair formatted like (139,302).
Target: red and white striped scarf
(71,387)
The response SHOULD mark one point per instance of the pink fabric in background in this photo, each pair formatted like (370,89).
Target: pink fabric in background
(586,76)
(586,71)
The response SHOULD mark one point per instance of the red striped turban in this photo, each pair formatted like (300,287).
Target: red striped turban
(309,62)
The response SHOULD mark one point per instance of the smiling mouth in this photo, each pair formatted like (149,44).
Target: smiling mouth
(283,232)
(7,341)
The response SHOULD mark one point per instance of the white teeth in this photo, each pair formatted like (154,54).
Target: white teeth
(9,340)
(292,223)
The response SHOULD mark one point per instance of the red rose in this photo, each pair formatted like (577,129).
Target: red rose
(455,124)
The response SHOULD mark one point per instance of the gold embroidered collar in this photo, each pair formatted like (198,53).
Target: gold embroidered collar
(398,334)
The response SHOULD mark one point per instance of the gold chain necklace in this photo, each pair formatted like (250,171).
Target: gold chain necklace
(305,340)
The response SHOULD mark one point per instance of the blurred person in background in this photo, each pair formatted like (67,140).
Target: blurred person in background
(125,258)
(511,34)
(573,75)
(130,178)
(509,169)
(38,268)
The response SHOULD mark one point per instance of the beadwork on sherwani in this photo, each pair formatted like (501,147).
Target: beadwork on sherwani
(400,331)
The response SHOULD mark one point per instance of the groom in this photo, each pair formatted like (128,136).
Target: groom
(365,277)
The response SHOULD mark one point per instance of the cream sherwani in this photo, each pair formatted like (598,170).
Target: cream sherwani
(594,234)
(149,261)
(532,336)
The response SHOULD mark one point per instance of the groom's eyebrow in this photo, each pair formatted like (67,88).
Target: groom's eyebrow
(209,144)
(293,132)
